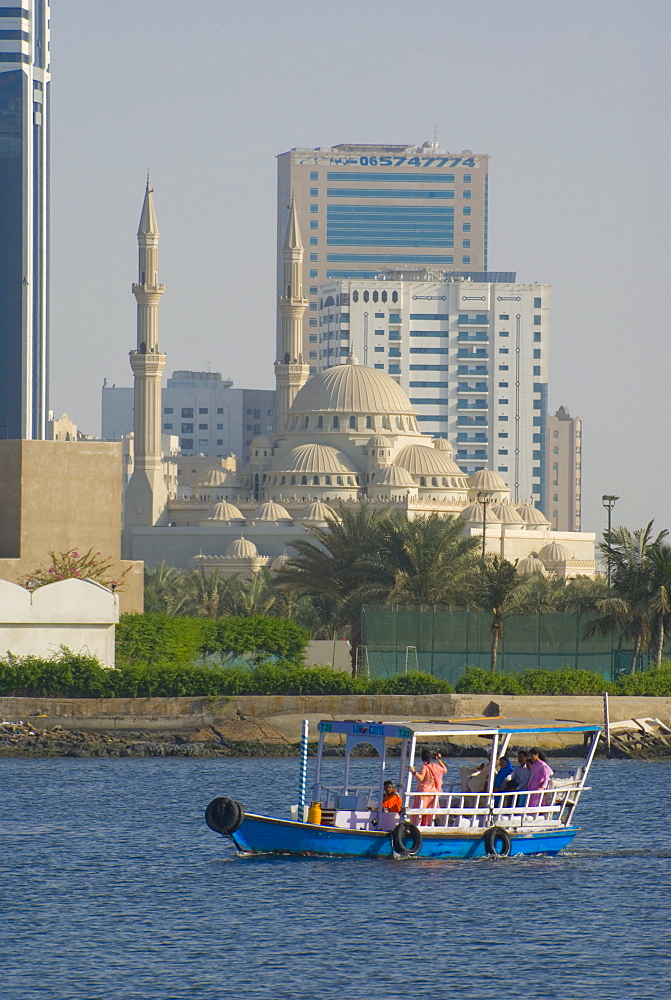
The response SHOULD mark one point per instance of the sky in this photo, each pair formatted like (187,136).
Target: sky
(569,99)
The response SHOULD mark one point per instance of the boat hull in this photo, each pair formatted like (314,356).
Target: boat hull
(266,835)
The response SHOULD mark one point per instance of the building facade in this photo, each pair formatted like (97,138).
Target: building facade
(564,450)
(366,208)
(204,411)
(24,194)
(471,355)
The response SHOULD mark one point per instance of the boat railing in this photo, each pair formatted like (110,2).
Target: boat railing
(546,807)
(356,797)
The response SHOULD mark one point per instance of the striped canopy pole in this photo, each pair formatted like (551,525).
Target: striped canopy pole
(304,772)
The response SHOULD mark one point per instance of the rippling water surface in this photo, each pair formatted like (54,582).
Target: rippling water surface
(113,888)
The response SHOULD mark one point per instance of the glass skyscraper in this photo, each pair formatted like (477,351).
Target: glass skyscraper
(363,209)
(24,189)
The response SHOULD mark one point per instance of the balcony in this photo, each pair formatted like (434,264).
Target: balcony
(474,387)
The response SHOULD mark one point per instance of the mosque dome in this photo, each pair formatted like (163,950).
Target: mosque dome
(378,441)
(393,475)
(506,513)
(242,548)
(216,476)
(224,511)
(531,515)
(423,460)
(486,479)
(317,511)
(473,514)
(314,458)
(280,561)
(553,555)
(351,388)
(442,444)
(270,511)
(261,441)
(530,564)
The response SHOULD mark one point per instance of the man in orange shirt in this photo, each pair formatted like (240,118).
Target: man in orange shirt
(391,800)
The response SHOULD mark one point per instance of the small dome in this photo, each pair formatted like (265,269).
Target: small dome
(378,441)
(422,460)
(530,564)
(531,514)
(486,479)
(394,475)
(553,555)
(270,511)
(442,444)
(224,511)
(313,458)
(351,388)
(506,513)
(473,514)
(261,441)
(317,511)
(216,476)
(242,548)
(280,561)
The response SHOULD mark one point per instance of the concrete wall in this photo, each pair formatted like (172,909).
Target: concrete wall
(283,714)
(62,495)
(79,614)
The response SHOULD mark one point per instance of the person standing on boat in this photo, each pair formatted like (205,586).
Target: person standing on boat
(429,779)
(539,776)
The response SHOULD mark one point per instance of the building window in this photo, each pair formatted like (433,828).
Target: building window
(537,303)
(537,352)
(313,273)
(467,210)
(314,256)
(537,335)
(537,320)
(202,427)
(314,192)
(314,175)
(168,409)
(203,409)
(186,444)
(187,428)
(466,244)
(187,412)
(314,209)
(220,427)
(167,427)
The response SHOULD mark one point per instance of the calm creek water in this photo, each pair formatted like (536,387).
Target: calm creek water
(113,888)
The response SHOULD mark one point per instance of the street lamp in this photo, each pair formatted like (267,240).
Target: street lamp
(484,499)
(609,502)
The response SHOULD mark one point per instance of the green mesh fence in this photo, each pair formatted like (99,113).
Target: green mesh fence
(444,643)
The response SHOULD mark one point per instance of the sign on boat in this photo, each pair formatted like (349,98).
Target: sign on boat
(458,822)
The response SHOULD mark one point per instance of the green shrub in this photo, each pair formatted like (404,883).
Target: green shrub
(414,682)
(477,680)
(563,681)
(649,683)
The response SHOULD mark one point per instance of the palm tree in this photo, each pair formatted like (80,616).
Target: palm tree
(255,596)
(207,593)
(499,590)
(424,561)
(660,603)
(164,590)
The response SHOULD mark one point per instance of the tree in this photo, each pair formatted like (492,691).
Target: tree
(164,590)
(71,565)
(499,590)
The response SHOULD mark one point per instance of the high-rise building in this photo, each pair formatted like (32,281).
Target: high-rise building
(564,450)
(472,356)
(364,208)
(24,192)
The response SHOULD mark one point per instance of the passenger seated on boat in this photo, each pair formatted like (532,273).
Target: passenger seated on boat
(391,800)
(429,779)
(503,775)
(519,779)
(479,778)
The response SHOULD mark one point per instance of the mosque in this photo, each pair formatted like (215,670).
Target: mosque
(346,434)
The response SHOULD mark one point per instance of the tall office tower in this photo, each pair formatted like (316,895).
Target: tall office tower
(24,192)
(472,356)
(290,371)
(147,492)
(564,449)
(366,208)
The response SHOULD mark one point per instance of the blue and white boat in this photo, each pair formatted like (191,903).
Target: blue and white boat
(460,822)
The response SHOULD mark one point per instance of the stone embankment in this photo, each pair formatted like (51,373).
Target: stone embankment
(266,725)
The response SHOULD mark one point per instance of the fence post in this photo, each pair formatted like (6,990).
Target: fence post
(606,722)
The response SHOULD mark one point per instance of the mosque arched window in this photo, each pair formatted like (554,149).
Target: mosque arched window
(422,480)
(383,296)
(293,481)
(320,423)
(315,480)
(352,422)
(434,481)
(336,423)
(329,301)
(350,481)
(327,480)
(369,423)
(355,296)
(386,423)
(394,296)
(399,423)
(444,481)
(307,422)
(338,480)
(375,296)
(284,479)
(304,480)
(366,296)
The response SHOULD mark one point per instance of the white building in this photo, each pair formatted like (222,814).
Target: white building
(471,355)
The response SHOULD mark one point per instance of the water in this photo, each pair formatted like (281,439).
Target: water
(113,888)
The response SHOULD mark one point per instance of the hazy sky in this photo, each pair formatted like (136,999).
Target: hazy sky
(569,98)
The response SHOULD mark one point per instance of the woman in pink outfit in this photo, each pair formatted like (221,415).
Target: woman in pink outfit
(540,775)
(429,779)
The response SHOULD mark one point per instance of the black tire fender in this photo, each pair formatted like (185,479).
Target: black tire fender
(494,837)
(404,832)
(224,815)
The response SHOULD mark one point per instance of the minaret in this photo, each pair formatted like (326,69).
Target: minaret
(290,372)
(147,492)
